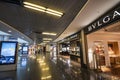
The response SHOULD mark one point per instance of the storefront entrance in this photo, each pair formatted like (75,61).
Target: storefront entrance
(70,48)
(104,48)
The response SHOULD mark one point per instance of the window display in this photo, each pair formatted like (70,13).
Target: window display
(113,52)
(75,48)
(8,52)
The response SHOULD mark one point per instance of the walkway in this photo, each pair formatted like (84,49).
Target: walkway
(42,67)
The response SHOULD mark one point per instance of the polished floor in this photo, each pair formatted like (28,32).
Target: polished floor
(45,67)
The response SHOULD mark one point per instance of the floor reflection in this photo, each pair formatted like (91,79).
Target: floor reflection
(24,62)
(8,75)
(42,67)
(45,70)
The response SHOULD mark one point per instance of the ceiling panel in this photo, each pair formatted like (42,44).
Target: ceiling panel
(29,21)
(92,10)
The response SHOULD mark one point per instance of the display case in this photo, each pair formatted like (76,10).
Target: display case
(99,52)
(75,50)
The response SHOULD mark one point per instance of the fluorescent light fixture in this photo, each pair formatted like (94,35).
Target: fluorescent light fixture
(42,9)
(47,33)
(50,10)
(47,39)
(34,5)
(53,13)
(34,8)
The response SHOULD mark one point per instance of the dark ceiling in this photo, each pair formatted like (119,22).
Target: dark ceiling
(30,21)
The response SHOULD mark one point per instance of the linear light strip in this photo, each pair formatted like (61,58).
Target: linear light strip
(34,8)
(50,10)
(34,5)
(53,13)
(47,33)
(42,9)
(47,39)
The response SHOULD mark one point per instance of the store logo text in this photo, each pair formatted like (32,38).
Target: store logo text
(104,20)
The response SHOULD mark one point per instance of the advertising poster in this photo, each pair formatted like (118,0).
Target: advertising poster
(8,51)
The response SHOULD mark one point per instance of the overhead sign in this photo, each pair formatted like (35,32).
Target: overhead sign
(74,36)
(111,17)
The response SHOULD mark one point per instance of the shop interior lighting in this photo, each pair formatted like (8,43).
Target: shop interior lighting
(47,33)
(42,9)
(47,39)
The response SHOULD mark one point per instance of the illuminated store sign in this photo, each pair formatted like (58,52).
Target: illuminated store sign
(103,21)
(74,36)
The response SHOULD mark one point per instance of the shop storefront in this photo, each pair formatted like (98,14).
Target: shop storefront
(103,42)
(70,47)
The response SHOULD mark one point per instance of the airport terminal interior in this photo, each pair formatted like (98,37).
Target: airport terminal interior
(59,40)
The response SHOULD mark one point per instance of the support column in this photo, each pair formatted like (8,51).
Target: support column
(84,55)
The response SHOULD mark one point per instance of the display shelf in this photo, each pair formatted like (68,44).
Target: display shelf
(75,53)
(75,58)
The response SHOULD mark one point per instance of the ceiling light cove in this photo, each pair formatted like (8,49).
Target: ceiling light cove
(47,33)
(42,9)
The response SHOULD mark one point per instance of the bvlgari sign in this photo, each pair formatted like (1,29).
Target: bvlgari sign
(103,21)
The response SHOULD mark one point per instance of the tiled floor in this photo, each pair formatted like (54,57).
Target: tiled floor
(43,67)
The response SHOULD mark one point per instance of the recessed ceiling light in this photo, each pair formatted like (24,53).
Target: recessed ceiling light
(48,33)
(9,31)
